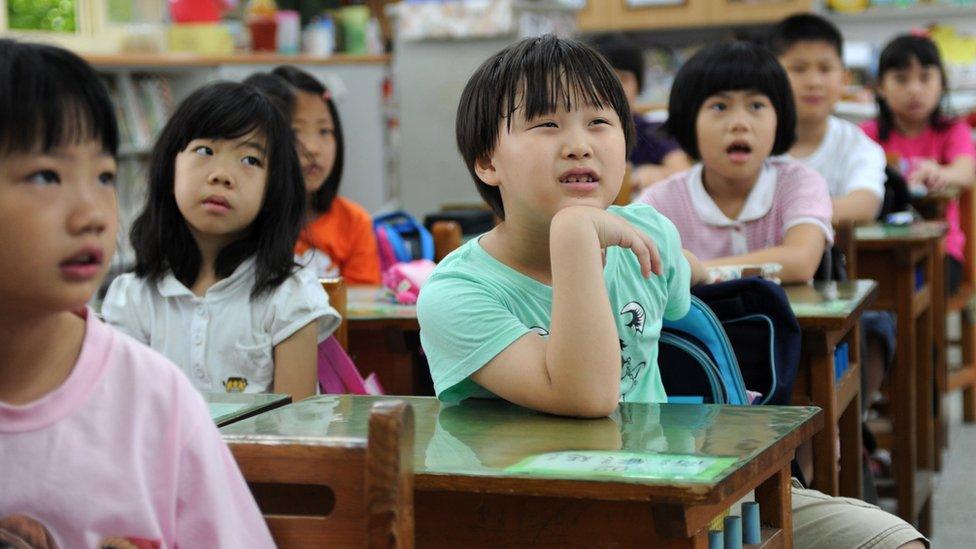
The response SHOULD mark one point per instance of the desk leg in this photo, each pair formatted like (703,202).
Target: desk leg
(902,396)
(941,359)
(776,504)
(823,394)
(851,446)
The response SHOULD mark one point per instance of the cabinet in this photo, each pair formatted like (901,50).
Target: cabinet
(621,15)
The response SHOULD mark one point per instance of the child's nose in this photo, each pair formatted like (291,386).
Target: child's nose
(576,148)
(88,214)
(221,178)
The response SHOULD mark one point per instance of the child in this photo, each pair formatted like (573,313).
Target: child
(929,149)
(556,308)
(338,238)
(810,49)
(102,440)
(215,286)
(731,108)
(655,156)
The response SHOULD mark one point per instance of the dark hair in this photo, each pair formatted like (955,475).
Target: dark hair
(51,97)
(536,75)
(804,27)
(898,54)
(725,67)
(622,54)
(160,235)
(281,84)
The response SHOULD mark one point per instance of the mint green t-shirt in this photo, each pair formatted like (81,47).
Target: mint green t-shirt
(474,306)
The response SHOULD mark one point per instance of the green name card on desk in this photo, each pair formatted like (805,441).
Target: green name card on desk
(625,465)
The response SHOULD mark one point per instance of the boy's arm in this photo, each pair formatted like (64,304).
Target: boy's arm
(859,205)
(799,254)
(577,370)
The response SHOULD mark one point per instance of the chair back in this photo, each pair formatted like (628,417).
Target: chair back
(336,290)
(447,238)
(337,492)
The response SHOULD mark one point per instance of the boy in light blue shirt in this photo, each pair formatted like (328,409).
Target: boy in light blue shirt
(559,307)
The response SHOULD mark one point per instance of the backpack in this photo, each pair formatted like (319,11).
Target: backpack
(763,331)
(400,237)
(338,375)
(695,358)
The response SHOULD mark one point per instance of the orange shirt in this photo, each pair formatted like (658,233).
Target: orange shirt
(345,233)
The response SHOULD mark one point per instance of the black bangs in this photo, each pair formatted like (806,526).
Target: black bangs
(733,66)
(50,97)
(532,78)
(219,111)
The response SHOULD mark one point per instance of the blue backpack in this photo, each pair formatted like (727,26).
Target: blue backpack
(696,359)
(401,238)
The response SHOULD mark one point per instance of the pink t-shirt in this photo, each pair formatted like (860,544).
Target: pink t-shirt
(942,146)
(786,194)
(124,448)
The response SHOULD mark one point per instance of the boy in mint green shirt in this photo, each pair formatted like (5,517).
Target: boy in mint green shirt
(559,307)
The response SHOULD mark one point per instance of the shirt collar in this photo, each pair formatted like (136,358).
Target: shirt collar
(169,286)
(758,203)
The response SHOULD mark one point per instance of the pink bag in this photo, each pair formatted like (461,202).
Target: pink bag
(339,376)
(405,279)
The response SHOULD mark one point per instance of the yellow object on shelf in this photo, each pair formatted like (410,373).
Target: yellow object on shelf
(848,6)
(202,38)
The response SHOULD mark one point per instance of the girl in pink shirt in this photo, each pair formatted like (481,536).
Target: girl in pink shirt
(931,150)
(103,443)
(731,108)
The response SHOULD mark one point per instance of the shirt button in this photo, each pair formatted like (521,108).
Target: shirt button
(198,339)
(201,312)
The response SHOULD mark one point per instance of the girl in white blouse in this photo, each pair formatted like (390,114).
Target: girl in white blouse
(215,287)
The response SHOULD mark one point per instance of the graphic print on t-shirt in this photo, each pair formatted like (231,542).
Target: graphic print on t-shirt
(630,371)
(235,384)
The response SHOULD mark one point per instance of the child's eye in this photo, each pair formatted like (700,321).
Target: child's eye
(717,106)
(600,121)
(44,177)
(203,150)
(547,124)
(325,132)
(252,161)
(757,105)
(106,178)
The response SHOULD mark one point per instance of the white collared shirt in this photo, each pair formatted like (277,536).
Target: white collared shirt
(223,340)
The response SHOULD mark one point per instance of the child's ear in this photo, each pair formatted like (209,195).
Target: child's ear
(486,171)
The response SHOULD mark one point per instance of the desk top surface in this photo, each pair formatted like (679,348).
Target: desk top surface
(373,303)
(921,231)
(828,303)
(226,408)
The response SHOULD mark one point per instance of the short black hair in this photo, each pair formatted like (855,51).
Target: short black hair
(281,84)
(160,235)
(804,27)
(622,54)
(897,55)
(731,66)
(51,97)
(535,75)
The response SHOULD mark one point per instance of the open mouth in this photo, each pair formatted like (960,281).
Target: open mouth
(83,265)
(579,176)
(739,151)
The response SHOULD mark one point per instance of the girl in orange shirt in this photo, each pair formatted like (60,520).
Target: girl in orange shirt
(338,237)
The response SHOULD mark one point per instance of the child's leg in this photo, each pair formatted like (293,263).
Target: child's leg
(821,521)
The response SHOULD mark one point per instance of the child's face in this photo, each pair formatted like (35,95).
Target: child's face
(315,133)
(58,222)
(220,184)
(562,159)
(912,93)
(817,77)
(736,131)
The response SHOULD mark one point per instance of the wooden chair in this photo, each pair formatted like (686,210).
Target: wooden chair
(336,289)
(964,375)
(336,492)
(447,238)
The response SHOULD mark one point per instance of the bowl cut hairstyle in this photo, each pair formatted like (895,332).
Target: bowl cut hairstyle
(281,85)
(804,27)
(533,76)
(160,235)
(39,112)
(898,55)
(731,66)
(623,55)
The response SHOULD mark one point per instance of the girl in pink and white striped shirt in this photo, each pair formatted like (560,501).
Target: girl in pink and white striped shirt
(731,108)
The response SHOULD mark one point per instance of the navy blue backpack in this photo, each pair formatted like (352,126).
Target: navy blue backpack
(761,336)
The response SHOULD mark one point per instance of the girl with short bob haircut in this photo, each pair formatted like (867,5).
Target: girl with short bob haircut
(338,237)
(81,404)
(731,109)
(215,287)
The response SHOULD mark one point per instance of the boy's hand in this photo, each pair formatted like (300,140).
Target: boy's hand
(612,230)
(928,173)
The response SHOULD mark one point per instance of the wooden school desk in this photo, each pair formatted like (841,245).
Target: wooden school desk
(906,262)
(491,474)
(227,408)
(384,337)
(829,313)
